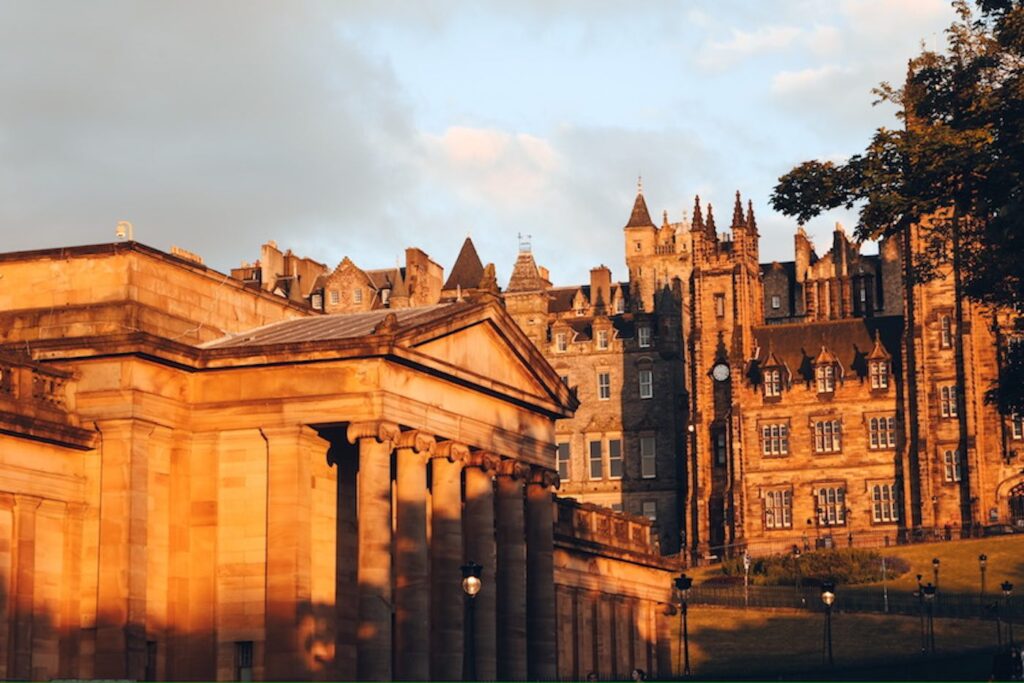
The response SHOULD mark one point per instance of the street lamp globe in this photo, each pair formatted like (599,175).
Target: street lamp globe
(471,583)
(935,563)
(828,593)
(1007,589)
(929,592)
(983,560)
(683,584)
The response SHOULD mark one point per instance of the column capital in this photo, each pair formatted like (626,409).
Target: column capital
(544,476)
(379,430)
(510,467)
(25,501)
(453,451)
(485,460)
(6,501)
(417,441)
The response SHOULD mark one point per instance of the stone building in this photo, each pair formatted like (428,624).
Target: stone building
(206,480)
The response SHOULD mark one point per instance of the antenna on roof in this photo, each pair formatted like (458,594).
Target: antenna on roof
(525,245)
(125,231)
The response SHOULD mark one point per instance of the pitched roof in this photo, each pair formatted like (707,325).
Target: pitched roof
(336,326)
(468,271)
(641,217)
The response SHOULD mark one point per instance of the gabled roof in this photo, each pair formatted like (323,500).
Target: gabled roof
(468,271)
(641,217)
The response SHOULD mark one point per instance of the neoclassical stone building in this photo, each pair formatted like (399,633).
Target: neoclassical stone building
(202,480)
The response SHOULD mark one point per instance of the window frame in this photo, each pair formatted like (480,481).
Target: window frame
(615,462)
(648,375)
(598,460)
(357,295)
(561,342)
(778,501)
(825,378)
(648,456)
(643,336)
(878,370)
(830,504)
(567,460)
(774,439)
(604,385)
(881,432)
(719,299)
(1016,426)
(334,296)
(827,441)
(602,340)
(776,302)
(772,385)
(952,466)
(653,514)
(948,405)
(945,331)
(884,509)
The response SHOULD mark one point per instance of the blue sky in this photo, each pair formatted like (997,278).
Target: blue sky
(343,128)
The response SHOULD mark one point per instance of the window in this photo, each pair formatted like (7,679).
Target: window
(357,295)
(616,507)
(561,343)
(317,301)
(772,383)
(947,401)
(563,461)
(636,246)
(879,371)
(614,458)
(646,379)
(643,336)
(951,465)
(945,332)
(827,436)
(778,510)
(1017,426)
(620,305)
(596,464)
(775,439)
(826,376)
(648,458)
(602,339)
(604,386)
(580,311)
(776,302)
(385,296)
(831,506)
(882,432)
(719,305)
(335,297)
(718,443)
(243,660)
(883,503)
(650,510)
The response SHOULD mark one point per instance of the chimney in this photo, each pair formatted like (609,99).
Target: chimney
(600,289)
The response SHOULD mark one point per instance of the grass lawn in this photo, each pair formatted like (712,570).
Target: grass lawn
(737,643)
(958,565)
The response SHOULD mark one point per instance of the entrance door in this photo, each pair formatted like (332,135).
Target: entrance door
(1017,505)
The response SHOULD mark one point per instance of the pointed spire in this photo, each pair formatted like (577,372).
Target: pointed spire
(709,224)
(751,222)
(737,212)
(698,216)
(467,270)
(641,217)
(664,218)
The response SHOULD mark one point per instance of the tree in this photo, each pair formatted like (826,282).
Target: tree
(954,172)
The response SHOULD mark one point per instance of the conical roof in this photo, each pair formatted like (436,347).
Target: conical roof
(641,217)
(468,270)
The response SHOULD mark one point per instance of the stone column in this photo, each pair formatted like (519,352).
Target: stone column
(445,561)
(540,575)
(511,574)
(23,586)
(412,589)
(480,547)
(373,639)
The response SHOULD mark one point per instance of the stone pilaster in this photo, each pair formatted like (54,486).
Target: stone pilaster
(511,573)
(445,561)
(412,589)
(540,575)
(8,540)
(373,637)
(23,586)
(346,459)
(480,548)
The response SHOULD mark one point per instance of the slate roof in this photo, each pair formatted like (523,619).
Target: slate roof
(468,271)
(796,345)
(641,217)
(337,326)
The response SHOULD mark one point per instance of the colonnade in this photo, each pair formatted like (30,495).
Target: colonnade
(483,507)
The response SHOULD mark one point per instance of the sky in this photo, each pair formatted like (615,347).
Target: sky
(360,128)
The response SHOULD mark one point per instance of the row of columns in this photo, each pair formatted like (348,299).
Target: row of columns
(479,511)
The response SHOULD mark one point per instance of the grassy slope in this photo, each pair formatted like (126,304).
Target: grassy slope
(737,643)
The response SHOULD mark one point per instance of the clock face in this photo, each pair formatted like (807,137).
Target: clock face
(720,372)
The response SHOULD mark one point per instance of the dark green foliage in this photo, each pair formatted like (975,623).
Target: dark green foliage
(846,566)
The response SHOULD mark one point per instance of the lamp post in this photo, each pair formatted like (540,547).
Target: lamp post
(929,599)
(471,585)
(982,565)
(828,596)
(796,562)
(683,583)
(1007,592)
(746,580)
(885,590)
(920,611)
(935,572)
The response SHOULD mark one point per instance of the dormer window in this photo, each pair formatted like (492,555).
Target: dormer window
(580,311)
(772,383)
(561,342)
(643,336)
(826,378)
(602,339)
(385,296)
(879,371)
(620,305)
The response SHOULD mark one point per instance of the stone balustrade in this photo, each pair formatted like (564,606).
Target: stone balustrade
(602,526)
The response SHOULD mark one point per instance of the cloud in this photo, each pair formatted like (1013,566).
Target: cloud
(744,44)
(789,82)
